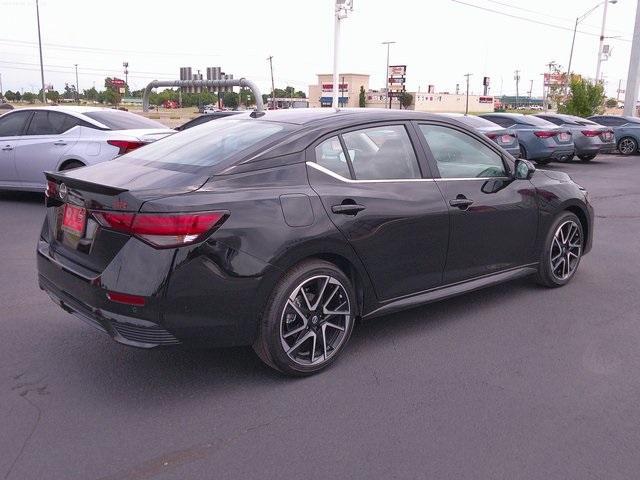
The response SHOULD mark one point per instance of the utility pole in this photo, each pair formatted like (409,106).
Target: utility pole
(386,72)
(604,21)
(530,91)
(516,77)
(619,91)
(125,64)
(77,86)
(273,87)
(342,8)
(44,94)
(633,77)
(466,107)
(0,85)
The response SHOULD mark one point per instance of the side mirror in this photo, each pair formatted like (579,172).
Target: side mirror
(523,169)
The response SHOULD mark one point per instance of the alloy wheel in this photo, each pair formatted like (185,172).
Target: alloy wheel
(566,248)
(627,146)
(315,320)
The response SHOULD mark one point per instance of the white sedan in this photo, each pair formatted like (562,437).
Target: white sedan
(35,140)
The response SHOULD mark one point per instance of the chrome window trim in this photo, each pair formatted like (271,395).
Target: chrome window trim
(326,171)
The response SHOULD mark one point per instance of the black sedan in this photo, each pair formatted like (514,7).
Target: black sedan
(506,138)
(207,117)
(279,230)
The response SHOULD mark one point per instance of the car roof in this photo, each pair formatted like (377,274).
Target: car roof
(506,115)
(70,108)
(308,116)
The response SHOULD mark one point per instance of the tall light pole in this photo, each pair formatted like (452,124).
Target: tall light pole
(273,86)
(125,64)
(44,95)
(342,8)
(604,21)
(77,86)
(466,107)
(516,77)
(386,72)
(633,76)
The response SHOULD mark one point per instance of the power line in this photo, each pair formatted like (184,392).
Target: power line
(531,20)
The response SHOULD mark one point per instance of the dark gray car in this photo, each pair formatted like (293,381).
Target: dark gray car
(506,138)
(625,129)
(540,140)
(589,138)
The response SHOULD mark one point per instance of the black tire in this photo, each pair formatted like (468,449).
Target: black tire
(70,165)
(546,275)
(543,161)
(627,146)
(269,344)
(523,152)
(586,158)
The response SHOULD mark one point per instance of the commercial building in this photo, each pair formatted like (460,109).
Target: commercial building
(213,73)
(321,94)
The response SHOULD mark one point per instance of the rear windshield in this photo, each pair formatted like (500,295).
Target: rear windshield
(476,122)
(208,144)
(538,122)
(119,120)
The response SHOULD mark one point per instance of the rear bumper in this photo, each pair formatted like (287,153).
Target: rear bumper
(541,151)
(602,148)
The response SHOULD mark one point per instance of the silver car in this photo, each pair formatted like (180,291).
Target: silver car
(34,140)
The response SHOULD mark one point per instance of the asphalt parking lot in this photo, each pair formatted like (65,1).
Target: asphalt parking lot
(513,382)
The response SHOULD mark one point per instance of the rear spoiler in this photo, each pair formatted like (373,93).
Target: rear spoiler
(61,177)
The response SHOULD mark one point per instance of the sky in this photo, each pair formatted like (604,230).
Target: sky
(438,40)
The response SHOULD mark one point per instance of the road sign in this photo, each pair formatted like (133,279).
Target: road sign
(397,70)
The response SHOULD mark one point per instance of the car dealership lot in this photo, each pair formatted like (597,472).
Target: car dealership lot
(515,381)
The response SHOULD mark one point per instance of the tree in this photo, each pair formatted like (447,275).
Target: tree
(585,98)
(230,99)
(91,94)
(405,99)
(362,98)
(247,98)
(611,103)
(111,97)
(69,91)
(10,96)
(53,96)
(29,97)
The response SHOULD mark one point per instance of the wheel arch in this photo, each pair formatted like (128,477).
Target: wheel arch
(582,215)
(67,161)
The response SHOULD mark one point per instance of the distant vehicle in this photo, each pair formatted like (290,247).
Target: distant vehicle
(283,231)
(625,129)
(540,140)
(589,138)
(507,139)
(35,140)
(535,107)
(207,117)
(170,104)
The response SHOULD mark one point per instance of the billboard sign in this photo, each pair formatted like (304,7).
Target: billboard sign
(117,82)
(553,79)
(397,70)
(328,87)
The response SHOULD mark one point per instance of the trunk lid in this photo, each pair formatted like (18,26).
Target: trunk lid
(147,135)
(110,186)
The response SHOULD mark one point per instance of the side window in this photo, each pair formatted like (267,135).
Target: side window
(330,155)
(12,124)
(45,122)
(459,155)
(382,153)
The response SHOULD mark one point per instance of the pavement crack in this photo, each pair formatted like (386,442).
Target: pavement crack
(28,438)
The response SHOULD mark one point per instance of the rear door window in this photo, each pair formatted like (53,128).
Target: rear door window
(382,153)
(330,155)
(12,124)
(502,121)
(46,122)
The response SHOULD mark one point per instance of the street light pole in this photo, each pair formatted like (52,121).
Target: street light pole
(516,77)
(273,86)
(44,94)
(386,72)
(341,9)
(604,21)
(77,86)
(466,108)
(633,76)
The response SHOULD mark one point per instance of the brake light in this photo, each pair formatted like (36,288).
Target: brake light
(545,133)
(163,230)
(51,190)
(591,133)
(492,135)
(125,146)
(126,298)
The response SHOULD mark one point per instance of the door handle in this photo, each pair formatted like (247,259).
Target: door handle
(461,202)
(7,147)
(347,208)
(60,142)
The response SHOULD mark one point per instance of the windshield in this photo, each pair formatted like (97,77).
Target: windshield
(207,144)
(119,120)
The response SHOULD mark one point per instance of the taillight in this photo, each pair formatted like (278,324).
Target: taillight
(126,298)
(492,135)
(51,190)
(163,230)
(545,133)
(591,133)
(125,145)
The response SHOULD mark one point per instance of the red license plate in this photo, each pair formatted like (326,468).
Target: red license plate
(608,135)
(74,220)
(564,137)
(506,139)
